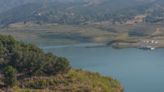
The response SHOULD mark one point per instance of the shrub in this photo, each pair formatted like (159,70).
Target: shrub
(10,76)
(29,59)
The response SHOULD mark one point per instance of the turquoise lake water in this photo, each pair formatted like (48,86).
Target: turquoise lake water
(137,70)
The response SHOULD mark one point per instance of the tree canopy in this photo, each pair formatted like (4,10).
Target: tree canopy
(28,59)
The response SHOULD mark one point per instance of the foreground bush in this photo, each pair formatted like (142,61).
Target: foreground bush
(28,59)
(10,78)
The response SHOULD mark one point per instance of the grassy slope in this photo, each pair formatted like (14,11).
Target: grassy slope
(74,81)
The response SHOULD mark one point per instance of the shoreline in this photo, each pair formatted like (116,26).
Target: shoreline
(100,45)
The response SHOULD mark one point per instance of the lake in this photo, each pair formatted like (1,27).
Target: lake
(137,70)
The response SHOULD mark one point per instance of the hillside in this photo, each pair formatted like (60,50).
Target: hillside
(7,4)
(25,67)
(83,12)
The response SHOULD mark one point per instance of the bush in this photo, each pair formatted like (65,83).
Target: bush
(10,76)
(60,64)
(29,59)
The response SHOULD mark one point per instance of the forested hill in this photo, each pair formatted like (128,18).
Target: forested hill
(26,68)
(81,11)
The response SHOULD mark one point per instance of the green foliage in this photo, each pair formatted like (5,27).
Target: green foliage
(29,59)
(61,64)
(10,76)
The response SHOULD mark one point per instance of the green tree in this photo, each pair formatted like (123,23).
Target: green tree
(10,76)
(28,59)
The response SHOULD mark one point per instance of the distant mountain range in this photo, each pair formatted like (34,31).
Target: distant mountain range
(79,11)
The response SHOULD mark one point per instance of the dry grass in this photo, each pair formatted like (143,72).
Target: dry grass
(73,81)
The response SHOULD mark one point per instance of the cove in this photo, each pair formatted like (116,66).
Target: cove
(137,70)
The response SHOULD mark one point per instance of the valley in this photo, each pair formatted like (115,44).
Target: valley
(79,41)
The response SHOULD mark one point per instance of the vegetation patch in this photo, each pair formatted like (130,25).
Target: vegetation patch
(26,68)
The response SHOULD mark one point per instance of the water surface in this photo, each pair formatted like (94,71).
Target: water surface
(137,70)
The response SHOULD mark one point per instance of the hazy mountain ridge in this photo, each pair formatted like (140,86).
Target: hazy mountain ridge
(80,12)
(8,4)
